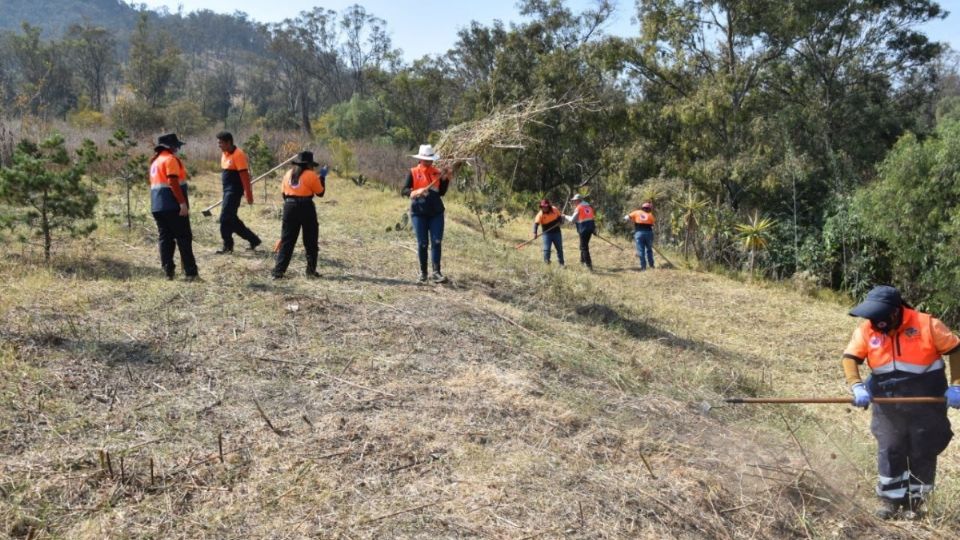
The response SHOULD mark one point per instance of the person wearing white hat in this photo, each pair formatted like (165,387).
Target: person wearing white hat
(583,216)
(425,186)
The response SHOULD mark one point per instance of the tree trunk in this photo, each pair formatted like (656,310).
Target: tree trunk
(129,182)
(45,228)
(305,112)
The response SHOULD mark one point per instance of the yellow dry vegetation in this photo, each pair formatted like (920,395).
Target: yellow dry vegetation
(518,401)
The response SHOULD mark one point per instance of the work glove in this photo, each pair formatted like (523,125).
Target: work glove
(861,395)
(953,396)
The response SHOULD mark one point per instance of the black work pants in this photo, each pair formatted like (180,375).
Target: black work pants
(298,213)
(585,230)
(909,436)
(174,232)
(230,223)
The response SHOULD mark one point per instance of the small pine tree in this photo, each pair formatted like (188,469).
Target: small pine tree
(130,168)
(261,158)
(46,191)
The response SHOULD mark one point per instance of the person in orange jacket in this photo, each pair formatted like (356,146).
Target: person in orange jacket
(300,184)
(583,216)
(550,218)
(170,205)
(425,186)
(904,350)
(643,221)
(235,178)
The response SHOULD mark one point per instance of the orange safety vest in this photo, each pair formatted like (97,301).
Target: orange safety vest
(912,348)
(307,185)
(642,218)
(425,176)
(163,197)
(548,218)
(584,213)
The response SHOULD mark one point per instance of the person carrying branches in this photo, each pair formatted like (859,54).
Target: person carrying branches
(904,350)
(425,186)
(170,206)
(643,221)
(235,178)
(550,218)
(300,184)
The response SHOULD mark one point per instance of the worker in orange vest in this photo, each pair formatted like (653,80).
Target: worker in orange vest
(425,185)
(904,350)
(643,221)
(235,178)
(170,206)
(583,217)
(550,218)
(300,184)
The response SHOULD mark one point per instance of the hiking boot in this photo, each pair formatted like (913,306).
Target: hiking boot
(887,508)
(254,243)
(914,509)
(224,250)
(170,272)
(312,274)
(437,277)
(191,277)
(422,278)
(276,275)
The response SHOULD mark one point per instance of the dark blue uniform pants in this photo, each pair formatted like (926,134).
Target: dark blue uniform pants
(230,223)
(909,436)
(298,213)
(585,230)
(174,232)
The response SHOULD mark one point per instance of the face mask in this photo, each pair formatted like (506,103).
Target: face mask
(888,324)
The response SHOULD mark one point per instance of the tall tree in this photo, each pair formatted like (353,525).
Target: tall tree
(93,51)
(366,45)
(43,75)
(154,60)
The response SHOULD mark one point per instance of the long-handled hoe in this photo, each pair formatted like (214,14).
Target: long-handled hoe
(841,400)
(207,211)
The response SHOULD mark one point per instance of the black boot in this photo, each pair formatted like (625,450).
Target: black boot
(254,243)
(170,271)
(312,270)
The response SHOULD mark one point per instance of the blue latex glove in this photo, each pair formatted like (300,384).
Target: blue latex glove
(323,172)
(861,395)
(953,397)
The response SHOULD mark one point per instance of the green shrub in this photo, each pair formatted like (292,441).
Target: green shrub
(136,116)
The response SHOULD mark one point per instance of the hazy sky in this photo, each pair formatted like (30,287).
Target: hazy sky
(430,26)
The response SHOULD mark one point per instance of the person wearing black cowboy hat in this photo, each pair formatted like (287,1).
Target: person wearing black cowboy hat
(300,184)
(904,350)
(170,206)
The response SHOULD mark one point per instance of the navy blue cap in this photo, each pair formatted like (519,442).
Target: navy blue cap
(879,304)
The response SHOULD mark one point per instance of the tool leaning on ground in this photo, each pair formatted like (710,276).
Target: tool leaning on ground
(208,210)
(840,400)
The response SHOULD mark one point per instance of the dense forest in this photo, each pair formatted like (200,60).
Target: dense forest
(817,141)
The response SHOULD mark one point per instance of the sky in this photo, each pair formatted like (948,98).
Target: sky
(430,26)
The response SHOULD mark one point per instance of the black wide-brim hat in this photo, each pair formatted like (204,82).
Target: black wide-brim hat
(305,159)
(170,141)
(879,304)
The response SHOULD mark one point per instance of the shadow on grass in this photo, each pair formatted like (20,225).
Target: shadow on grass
(106,351)
(95,268)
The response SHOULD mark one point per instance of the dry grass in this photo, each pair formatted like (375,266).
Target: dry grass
(516,402)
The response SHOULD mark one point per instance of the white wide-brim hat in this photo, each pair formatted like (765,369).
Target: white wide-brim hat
(426,153)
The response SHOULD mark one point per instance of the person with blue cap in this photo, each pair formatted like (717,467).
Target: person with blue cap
(904,350)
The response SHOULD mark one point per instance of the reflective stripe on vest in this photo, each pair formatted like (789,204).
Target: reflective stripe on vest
(584,213)
(910,349)
(425,177)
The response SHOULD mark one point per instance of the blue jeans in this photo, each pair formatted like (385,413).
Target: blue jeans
(644,242)
(554,238)
(429,232)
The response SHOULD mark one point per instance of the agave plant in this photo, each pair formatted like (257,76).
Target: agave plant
(690,209)
(755,235)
